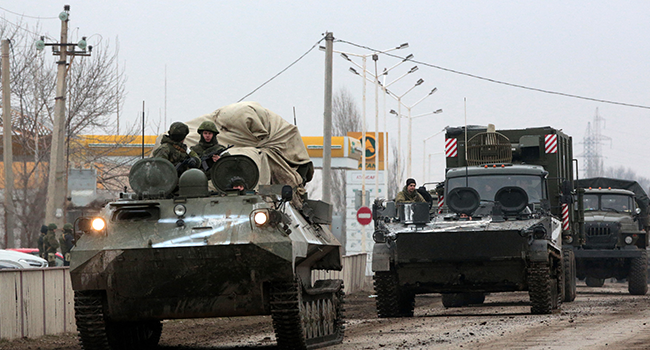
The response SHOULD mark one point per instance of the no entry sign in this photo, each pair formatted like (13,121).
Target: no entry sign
(364,215)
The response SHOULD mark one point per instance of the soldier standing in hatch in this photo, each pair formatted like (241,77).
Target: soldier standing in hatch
(409,194)
(50,245)
(174,150)
(208,145)
(67,242)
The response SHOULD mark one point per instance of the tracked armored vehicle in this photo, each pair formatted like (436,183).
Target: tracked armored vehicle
(502,228)
(616,226)
(174,249)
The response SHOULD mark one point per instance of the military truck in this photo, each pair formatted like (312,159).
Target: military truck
(503,230)
(175,249)
(616,232)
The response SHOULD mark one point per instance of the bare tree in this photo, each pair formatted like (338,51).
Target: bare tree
(95,88)
(346,118)
(626,174)
(394,174)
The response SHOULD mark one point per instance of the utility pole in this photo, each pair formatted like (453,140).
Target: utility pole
(327,120)
(55,202)
(8,152)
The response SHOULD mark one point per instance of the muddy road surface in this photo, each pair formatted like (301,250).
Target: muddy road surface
(599,318)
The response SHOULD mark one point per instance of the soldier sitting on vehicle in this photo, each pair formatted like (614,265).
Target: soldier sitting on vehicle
(409,194)
(174,150)
(208,149)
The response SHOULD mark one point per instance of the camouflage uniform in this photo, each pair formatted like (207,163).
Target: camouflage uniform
(405,197)
(50,245)
(204,148)
(174,150)
(67,242)
(41,250)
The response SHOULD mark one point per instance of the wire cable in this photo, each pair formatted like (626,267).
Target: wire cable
(19,27)
(22,15)
(501,82)
(282,71)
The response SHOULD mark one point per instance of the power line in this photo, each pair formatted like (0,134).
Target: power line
(19,27)
(282,71)
(502,82)
(23,15)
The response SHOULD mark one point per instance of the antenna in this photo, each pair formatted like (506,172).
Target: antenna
(466,169)
(294,116)
(142,129)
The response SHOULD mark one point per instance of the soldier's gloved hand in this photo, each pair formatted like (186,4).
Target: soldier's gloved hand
(192,163)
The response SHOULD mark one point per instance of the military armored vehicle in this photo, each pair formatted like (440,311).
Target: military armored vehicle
(502,229)
(616,232)
(174,249)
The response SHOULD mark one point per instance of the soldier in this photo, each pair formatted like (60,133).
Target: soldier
(41,250)
(409,194)
(208,148)
(67,242)
(174,150)
(50,245)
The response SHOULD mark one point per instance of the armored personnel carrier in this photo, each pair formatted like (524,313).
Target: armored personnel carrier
(174,249)
(616,226)
(502,230)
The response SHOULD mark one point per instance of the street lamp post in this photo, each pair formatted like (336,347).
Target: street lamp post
(410,143)
(424,147)
(410,118)
(399,116)
(364,74)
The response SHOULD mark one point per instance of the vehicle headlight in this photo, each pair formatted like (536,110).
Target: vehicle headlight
(379,237)
(98,224)
(568,239)
(179,210)
(628,240)
(261,218)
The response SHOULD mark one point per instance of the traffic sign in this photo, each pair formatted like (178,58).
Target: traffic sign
(364,215)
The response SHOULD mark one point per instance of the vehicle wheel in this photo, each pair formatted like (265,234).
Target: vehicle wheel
(133,335)
(453,300)
(594,282)
(542,289)
(392,301)
(569,261)
(307,319)
(637,281)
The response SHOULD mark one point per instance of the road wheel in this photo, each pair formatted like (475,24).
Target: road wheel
(637,280)
(453,300)
(569,261)
(307,319)
(392,301)
(542,289)
(594,282)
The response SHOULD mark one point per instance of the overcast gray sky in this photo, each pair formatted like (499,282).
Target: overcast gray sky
(216,52)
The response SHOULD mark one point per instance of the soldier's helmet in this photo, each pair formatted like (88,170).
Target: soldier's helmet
(67,228)
(208,126)
(178,131)
(44,229)
(52,226)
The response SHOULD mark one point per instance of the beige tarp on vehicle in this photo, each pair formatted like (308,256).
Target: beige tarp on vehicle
(272,142)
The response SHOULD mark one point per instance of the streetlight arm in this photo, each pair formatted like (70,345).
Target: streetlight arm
(425,96)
